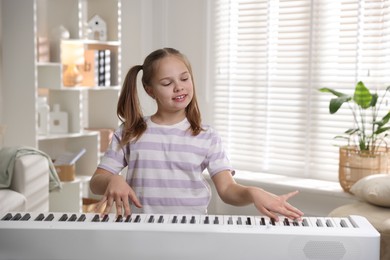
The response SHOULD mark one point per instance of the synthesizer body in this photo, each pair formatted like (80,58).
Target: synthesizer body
(71,236)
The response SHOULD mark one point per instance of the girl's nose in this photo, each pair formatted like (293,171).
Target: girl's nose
(178,88)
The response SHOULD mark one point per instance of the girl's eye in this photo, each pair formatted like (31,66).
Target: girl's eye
(184,79)
(165,84)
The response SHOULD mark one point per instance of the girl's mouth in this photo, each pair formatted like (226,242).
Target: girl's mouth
(180,98)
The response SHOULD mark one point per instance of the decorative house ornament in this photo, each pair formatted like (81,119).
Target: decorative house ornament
(97,28)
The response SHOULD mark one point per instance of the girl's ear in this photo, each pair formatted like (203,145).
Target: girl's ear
(149,90)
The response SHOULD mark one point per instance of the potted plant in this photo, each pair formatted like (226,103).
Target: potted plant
(366,151)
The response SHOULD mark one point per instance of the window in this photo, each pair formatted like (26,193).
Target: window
(271,57)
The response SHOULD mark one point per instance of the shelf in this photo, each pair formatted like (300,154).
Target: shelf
(65,136)
(92,42)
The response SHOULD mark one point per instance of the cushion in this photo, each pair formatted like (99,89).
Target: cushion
(379,217)
(11,201)
(374,189)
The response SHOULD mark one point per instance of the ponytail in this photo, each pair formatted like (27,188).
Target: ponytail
(129,109)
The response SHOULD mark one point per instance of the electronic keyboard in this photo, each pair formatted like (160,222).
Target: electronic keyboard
(71,236)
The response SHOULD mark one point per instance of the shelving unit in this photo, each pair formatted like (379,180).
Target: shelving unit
(91,107)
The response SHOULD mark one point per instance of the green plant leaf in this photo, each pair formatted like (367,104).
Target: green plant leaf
(352,131)
(362,145)
(381,130)
(384,120)
(336,103)
(334,92)
(374,100)
(362,96)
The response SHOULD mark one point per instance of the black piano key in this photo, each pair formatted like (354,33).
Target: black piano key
(343,223)
(40,217)
(151,219)
(96,218)
(183,220)
(49,217)
(319,223)
(230,221)
(286,222)
(82,218)
(262,221)
(272,222)
(160,219)
(128,218)
(295,223)
(119,218)
(329,223)
(26,217)
(192,220)
(137,219)
(17,216)
(7,216)
(216,220)
(72,218)
(174,220)
(105,218)
(207,220)
(305,223)
(248,221)
(64,217)
(239,221)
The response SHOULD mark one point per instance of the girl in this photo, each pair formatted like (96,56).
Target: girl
(166,153)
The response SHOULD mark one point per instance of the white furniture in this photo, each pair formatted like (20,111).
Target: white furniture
(29,190)
(157,236)
(87,107)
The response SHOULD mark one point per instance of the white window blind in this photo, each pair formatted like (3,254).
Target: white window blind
(271,57)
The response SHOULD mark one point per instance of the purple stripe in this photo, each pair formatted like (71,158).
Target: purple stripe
(170,165)
(167,183)
(154,201)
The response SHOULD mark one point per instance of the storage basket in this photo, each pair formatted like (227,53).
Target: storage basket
(355,164)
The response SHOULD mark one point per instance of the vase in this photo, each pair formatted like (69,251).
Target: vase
(355,164)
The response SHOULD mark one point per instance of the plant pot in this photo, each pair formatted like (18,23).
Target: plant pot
(355,164)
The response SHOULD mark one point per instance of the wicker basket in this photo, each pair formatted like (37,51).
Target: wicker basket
(355,165)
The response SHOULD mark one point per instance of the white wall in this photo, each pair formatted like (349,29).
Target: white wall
(1,69)
(18,74)
(181,24)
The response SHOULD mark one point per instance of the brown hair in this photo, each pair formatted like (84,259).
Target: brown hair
(129,109)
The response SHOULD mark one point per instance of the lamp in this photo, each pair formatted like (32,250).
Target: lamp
(72,55)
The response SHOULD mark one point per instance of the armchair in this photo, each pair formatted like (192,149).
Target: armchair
(29,181)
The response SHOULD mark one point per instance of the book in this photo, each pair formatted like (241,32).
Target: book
(97,68)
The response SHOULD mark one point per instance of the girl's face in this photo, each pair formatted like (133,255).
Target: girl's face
(172,85)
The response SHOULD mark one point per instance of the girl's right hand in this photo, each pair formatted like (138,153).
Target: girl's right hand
(120,193)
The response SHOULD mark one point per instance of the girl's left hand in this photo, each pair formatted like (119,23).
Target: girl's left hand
(271,205)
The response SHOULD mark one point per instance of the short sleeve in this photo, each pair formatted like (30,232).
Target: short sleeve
(217,156)
(114,159)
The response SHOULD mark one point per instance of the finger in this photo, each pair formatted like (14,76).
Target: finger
(135,200)
(290,194)
(107,209)
(119,206)
(290,213)
(100,204)
(294,209)
(268,213)
(126,206)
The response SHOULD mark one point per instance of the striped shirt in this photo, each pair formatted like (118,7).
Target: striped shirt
(165,166)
